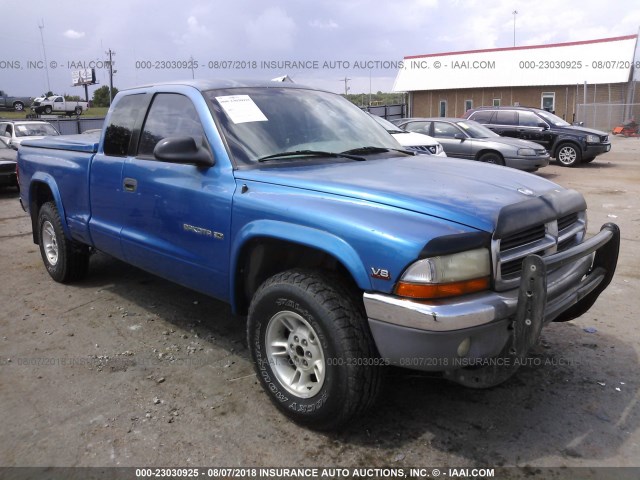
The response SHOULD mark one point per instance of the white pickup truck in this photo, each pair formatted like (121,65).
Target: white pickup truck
(57,104)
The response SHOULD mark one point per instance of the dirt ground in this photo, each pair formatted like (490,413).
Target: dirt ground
(126,369)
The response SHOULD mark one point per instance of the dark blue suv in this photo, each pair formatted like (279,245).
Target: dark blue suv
(570,145)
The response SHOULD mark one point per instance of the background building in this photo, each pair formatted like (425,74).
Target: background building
(590,81)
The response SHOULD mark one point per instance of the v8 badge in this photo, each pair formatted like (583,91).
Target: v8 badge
(380,273)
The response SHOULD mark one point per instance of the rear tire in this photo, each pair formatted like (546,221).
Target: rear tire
(65,260)
(568,155)
(78,111)
(312,349)
(18,106)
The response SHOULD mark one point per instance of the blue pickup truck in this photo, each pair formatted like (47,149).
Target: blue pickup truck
(346,252)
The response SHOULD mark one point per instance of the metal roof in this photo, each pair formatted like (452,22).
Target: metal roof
(605,60)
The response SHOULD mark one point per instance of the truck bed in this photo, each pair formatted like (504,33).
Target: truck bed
(65,158)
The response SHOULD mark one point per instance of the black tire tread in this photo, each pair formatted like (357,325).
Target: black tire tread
(74,256)
(349,320)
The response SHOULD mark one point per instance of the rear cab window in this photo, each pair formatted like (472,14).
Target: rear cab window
(118,135)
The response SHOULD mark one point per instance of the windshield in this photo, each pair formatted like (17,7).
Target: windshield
(387,125)
(259,122)
(475,130)
(552,119)
(35,130)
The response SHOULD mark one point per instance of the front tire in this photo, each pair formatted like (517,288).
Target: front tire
(18,106)
(48,110)
(492,157)
(312,349)
(568,155)
(65,260)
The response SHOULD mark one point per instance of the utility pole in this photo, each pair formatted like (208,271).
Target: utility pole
(111,72)
(44,51)
(514,13)
(346,84)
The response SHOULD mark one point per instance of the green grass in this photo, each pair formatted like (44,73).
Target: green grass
(92,112)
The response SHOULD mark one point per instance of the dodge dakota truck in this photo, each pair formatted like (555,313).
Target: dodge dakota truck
(345,252)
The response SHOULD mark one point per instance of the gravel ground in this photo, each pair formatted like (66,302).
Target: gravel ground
(126,369)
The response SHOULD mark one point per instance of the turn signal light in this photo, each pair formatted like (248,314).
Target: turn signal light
(441,290)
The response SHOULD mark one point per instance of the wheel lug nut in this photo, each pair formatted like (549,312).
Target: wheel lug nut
(304,342)
(305,363)
(295,339)
(308,354)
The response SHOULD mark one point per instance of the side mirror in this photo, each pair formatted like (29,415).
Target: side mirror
(459,136)
(543,125)
(183,150)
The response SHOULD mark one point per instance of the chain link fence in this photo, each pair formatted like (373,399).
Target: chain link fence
(607,116)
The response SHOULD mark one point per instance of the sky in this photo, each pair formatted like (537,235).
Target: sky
(330,40)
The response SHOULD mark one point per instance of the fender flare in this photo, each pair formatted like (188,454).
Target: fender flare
(293,233)
(47,179)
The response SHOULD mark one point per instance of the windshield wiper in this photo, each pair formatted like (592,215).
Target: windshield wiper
(371,149)
(314,153)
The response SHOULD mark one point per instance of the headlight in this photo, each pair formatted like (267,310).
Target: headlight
(526,152)
(593,139)
(447,275)
(439,149)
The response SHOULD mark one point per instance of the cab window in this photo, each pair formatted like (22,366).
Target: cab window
(170,115)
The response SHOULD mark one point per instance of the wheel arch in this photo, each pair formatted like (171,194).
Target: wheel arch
(561,141)
(261,251)
(43,189)
(480,153)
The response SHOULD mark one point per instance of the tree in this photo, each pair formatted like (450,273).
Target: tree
(101,96)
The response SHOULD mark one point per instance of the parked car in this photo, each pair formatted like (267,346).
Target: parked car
(8,158)
(570,145)
(412,140)
(13,133)
(57,104)
(13,103)
(470,140)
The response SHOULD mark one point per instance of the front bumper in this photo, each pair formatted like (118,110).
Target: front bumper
(527,163)
(592,150)
(446,334)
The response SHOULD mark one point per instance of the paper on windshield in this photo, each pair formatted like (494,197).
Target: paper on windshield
(21,128)
(241,109)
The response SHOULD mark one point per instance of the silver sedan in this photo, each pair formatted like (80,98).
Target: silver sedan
(467,139)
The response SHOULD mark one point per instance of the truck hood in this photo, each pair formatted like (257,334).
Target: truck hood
(462,191)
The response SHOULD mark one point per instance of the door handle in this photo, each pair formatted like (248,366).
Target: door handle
(130,184)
